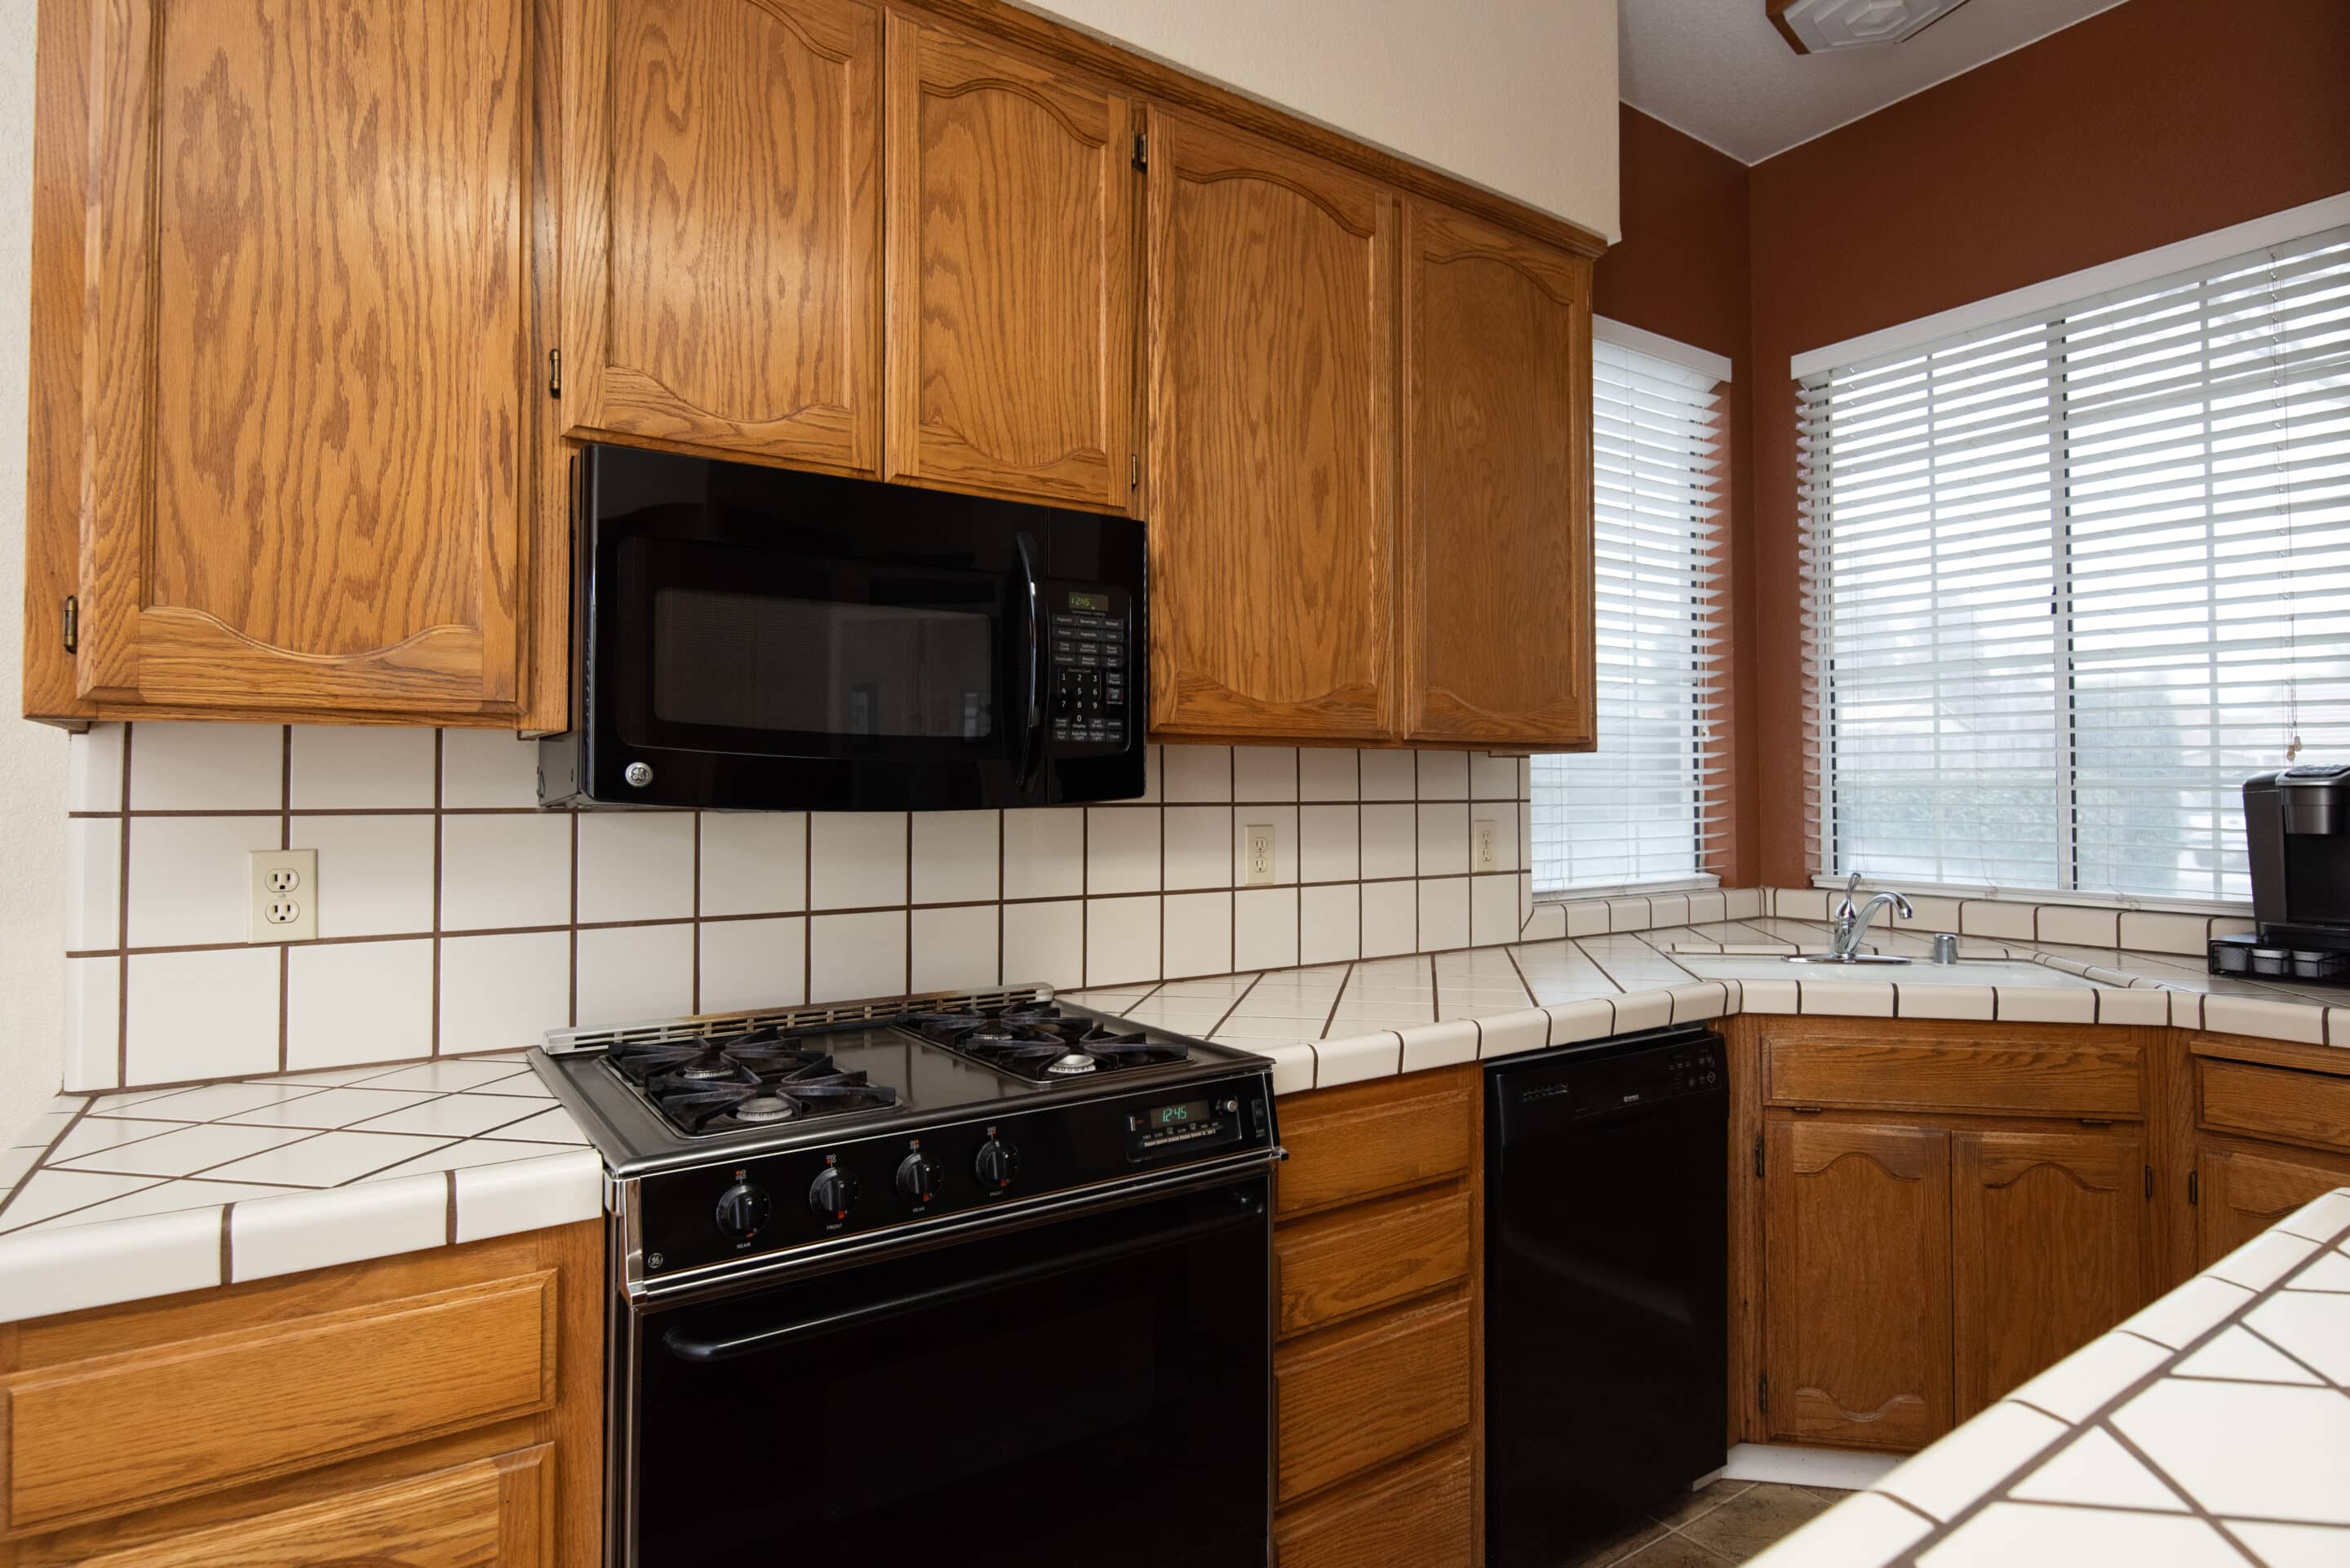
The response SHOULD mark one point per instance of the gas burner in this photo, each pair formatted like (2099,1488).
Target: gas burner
(746,1080)
(1041,1044)
(1074,1062)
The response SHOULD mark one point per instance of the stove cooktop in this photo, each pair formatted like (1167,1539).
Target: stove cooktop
(716,1088)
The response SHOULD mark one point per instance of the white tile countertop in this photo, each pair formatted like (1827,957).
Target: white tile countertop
(122,1197)
(125,1195)
(2211,1429)
(1344,1023)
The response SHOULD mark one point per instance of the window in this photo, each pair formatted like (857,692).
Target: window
(2076,575)
(1638,810)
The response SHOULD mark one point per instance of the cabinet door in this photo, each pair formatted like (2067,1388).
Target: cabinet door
(491,1513)
(1497,572)
(722,231)
(1422,1513)
(1857,1294)
(2240,1194)
(306,472)
(2046,1229)
(1272,312)
(1011,272)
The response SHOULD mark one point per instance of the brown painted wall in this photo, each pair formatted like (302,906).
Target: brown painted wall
(2147,124)
(1680,270)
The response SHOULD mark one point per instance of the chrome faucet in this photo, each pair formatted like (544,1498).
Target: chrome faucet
(1852,926)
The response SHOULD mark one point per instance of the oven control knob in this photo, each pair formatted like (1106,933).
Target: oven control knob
(743,1211)
(918,1177)
(995,1164)
(832,1193)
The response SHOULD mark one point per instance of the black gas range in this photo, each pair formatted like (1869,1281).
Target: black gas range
(897,1259)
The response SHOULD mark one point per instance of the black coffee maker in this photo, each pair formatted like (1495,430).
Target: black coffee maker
(2297,826)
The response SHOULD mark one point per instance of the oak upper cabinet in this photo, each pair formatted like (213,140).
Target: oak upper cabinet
(1012,273)
(2046,1248)
(1496,602)
(1272,307)
(1857,1290)
(721,226)
(303,360)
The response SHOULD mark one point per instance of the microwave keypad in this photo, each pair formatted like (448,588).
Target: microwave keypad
(1089,676)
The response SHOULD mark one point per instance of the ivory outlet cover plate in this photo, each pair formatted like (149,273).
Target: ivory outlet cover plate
(285,896)
(1257,860)
(1488,855)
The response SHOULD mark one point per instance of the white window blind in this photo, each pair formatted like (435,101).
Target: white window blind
(1636,810)
(2076,577)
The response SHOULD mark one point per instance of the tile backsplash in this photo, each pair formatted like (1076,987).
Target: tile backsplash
(455,916)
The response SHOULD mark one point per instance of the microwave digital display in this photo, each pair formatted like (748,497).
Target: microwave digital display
(1098,603)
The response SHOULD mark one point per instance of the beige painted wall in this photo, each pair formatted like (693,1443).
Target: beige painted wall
(1518,95)
(32,756)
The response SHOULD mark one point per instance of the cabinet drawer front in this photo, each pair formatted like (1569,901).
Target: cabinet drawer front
(228,1408)
(488,1514)
(1339,1265)
(2275,1102)
(1369,1138)
(1371,1395)
(2073,1078)
(1420,1515)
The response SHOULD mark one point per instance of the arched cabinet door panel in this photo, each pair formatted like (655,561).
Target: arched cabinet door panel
(1497,570)
(1011,241)
(721,226)
(1271,452)
(307,471)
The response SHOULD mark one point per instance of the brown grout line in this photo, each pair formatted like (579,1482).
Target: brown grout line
(1344,981)
(1519,970)
(572,1002)
(47,1149)
(122,930)
(440,747)
(1225,1017)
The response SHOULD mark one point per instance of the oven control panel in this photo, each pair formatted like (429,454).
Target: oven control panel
(771,1203)
(1092,641)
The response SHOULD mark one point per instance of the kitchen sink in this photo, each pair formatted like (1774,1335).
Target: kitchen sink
(1966,972)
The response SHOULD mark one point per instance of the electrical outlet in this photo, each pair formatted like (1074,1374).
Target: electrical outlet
(1256,861)
(1487,853)
(284,893)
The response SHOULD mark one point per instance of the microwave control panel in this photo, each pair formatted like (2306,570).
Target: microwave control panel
(1091,637)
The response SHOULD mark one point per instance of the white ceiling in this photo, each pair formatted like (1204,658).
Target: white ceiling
(1718,70)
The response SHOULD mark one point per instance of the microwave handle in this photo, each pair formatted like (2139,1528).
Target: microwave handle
(1032,729)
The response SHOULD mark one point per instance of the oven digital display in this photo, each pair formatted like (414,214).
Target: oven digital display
(1098,603)
(1190,1113)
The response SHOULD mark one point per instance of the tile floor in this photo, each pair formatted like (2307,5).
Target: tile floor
(1724,1522)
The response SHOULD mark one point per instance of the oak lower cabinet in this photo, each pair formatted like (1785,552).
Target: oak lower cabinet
(2242,1189)
(1272,313)
(441,1410)
(1377,1359)
(283,383)
(2269,1138)
(1495,600)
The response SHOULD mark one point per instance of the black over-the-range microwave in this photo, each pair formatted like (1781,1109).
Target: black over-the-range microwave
(759,639)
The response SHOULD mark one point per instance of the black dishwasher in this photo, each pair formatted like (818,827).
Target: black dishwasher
(1606,1285)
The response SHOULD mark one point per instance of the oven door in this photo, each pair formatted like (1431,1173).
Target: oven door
(1087,1390)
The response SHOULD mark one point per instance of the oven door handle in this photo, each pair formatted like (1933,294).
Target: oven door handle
(690,1347)
(1032,729)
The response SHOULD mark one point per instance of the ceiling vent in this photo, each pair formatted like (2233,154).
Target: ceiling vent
(1829,27)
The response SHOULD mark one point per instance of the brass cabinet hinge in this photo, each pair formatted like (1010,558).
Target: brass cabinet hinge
(69,621)
(1134,471)
(1758,1157)
(1762,1388)
(555,374)
(1141,153)
(2194,1188)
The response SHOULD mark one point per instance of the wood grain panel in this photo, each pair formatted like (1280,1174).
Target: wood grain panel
(1859,1308)
(2242,1193)
(1342,1264)
(1012,253)
(2046,1233)
(2271,1102)
(1417,1513)
(1364,1139)
(1365,1394)
(303,388)
(1272,441)
(488,1514)
(722,235)
(2087,1075)
(1497,487)
(246,1403)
